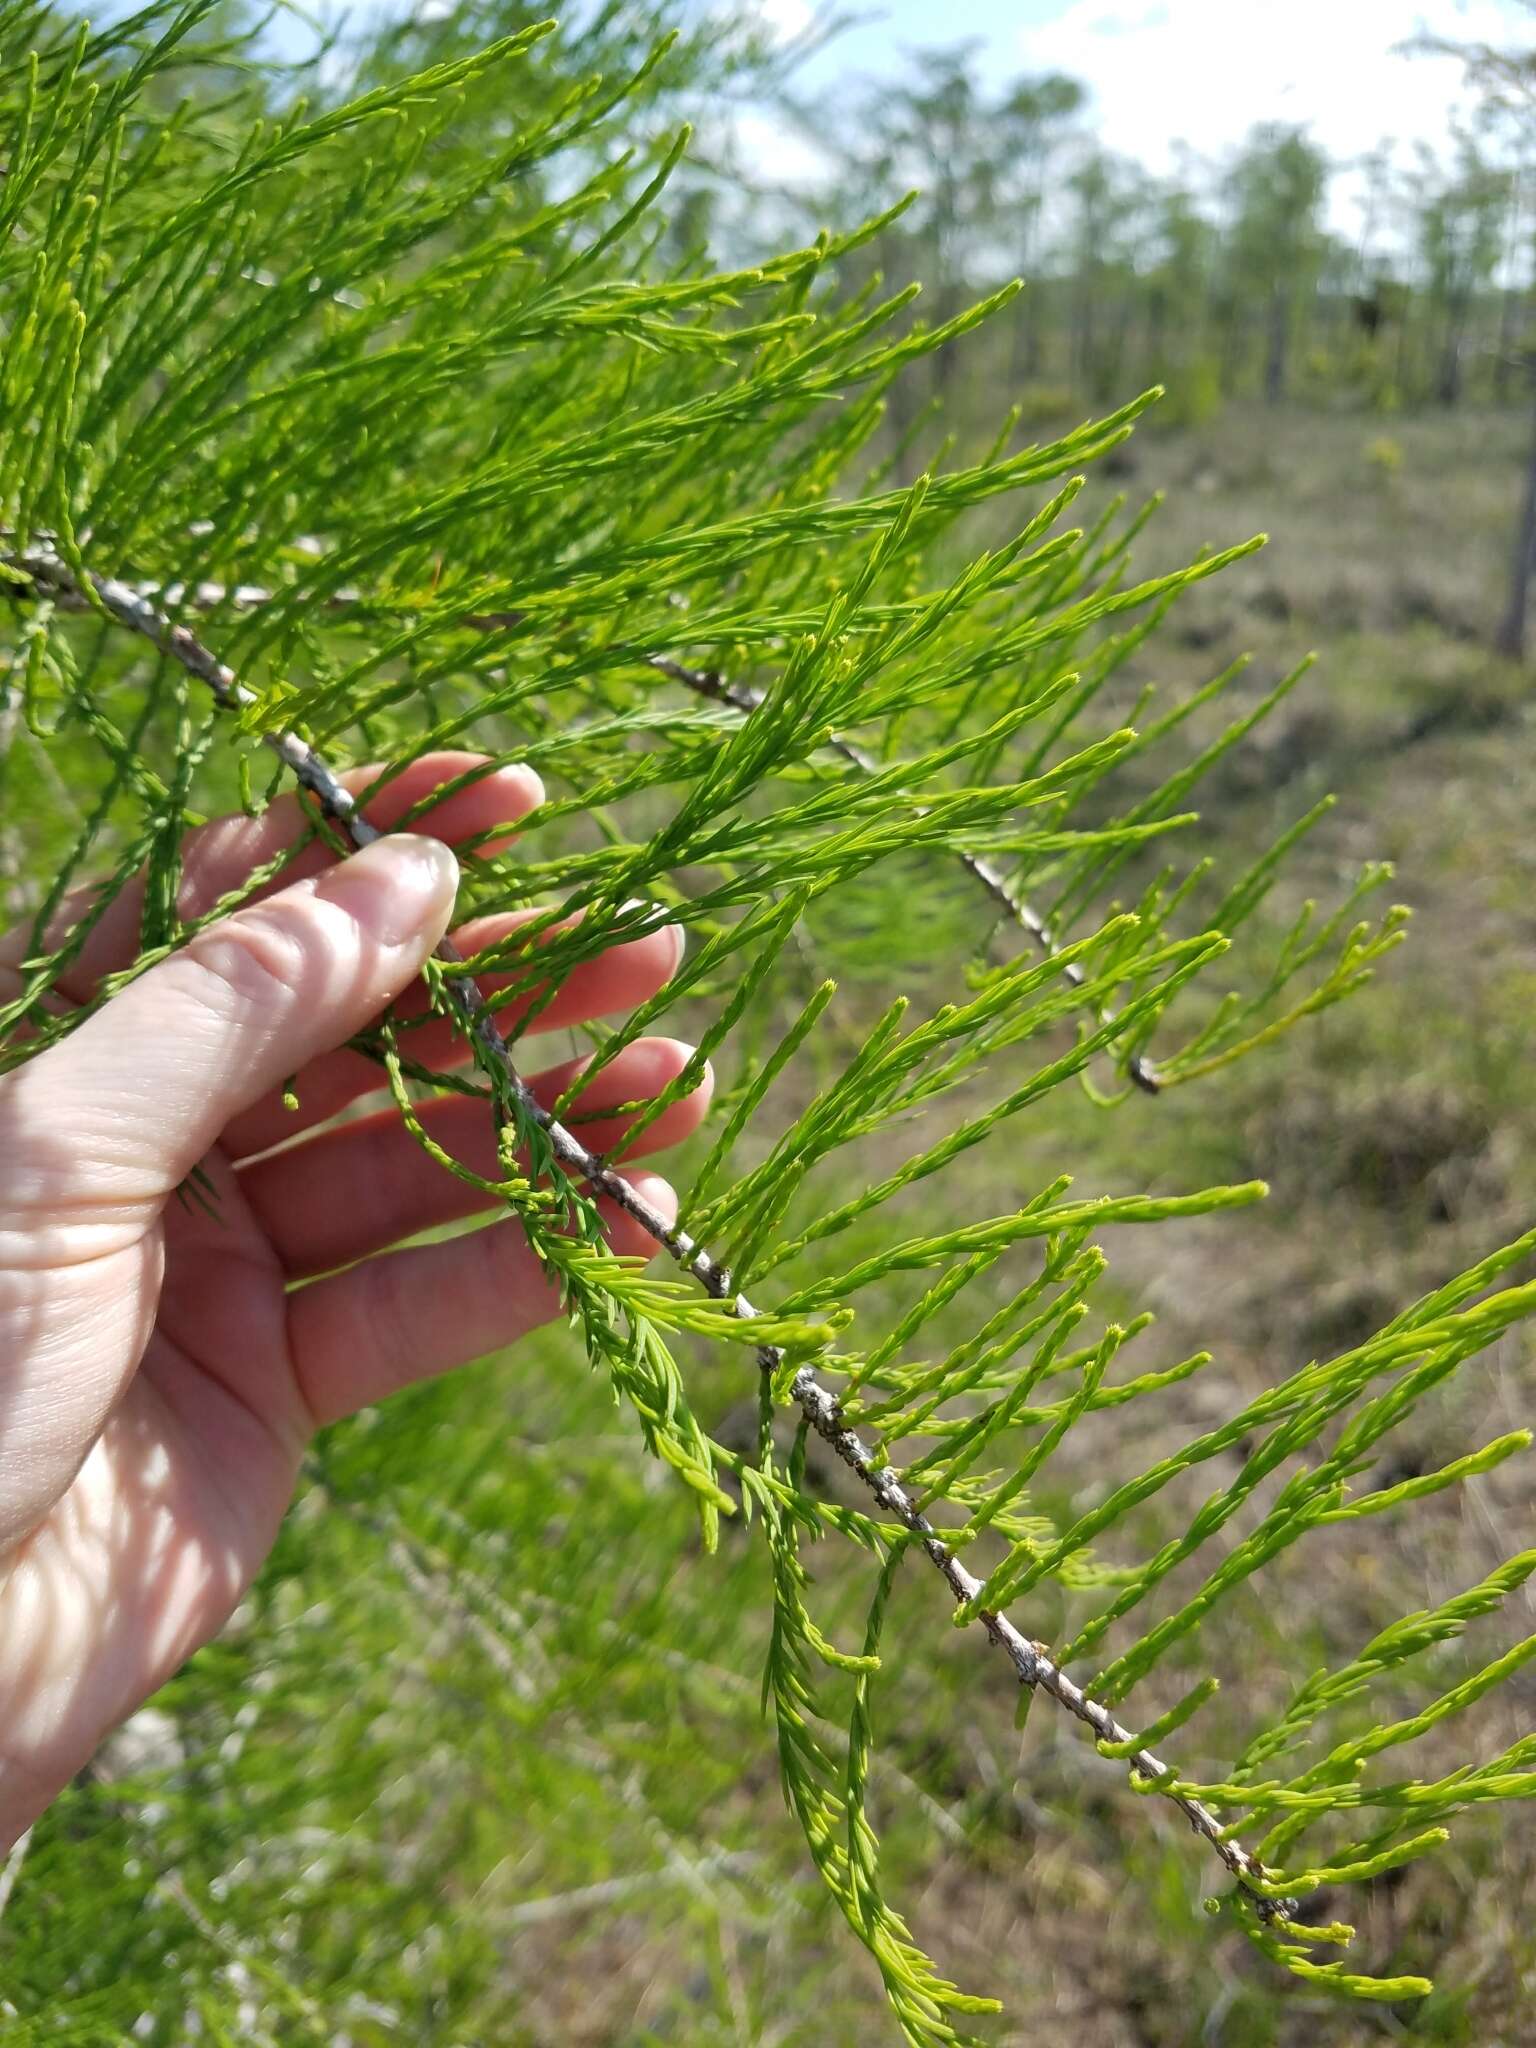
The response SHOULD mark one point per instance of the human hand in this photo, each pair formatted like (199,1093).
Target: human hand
(160,1373)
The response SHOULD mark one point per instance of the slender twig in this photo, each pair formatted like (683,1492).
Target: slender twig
(708,682)
(703,682)
(1031,1661)
(10,721)
(611,1891)
(10,1870)
(256,1966)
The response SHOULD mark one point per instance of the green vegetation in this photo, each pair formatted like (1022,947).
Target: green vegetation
(404,404)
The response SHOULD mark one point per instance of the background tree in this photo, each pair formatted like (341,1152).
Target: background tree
(940,131)
(1506,77)
(1461,228)
(1275,245)
(1180,272)
(1105,199)
(1032,123)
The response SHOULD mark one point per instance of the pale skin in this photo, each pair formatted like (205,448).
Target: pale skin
(161,1369)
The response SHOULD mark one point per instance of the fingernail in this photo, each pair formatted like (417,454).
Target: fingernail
(526,782)
(682,1050)
(401,888)
(657,1194)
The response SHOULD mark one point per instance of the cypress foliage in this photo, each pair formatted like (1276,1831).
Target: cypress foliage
(392,422)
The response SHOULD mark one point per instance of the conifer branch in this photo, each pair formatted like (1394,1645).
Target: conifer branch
(703,682)
(52,577)
(708,682)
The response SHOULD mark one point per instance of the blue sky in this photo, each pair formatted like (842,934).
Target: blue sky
(1197,72)
(873,45)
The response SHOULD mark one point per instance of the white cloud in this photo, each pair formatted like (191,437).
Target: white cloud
(784,18)
(1203,71)
(771,151)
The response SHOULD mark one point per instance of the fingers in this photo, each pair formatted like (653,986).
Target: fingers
(608,986)
(219,857)
(362,1335)
(355,1189)
(144,1087)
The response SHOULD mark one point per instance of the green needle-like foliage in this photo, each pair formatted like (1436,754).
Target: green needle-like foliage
(402,408)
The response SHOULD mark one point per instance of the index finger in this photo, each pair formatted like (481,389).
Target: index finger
(217,858)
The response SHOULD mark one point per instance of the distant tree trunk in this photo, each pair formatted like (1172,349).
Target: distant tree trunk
(901,411)
(1157,330)
(1025,354)
(1504,355)
(1448,381)
(1510,638)
(1085,339)
(1024,357)
(1034,339)
(948,300)
(1110,353)
(1403,360)
(1233,335)
(1275,353)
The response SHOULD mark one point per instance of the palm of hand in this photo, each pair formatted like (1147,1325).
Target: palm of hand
(172,1354)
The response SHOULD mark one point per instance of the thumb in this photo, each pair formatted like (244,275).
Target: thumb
(147,1084)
